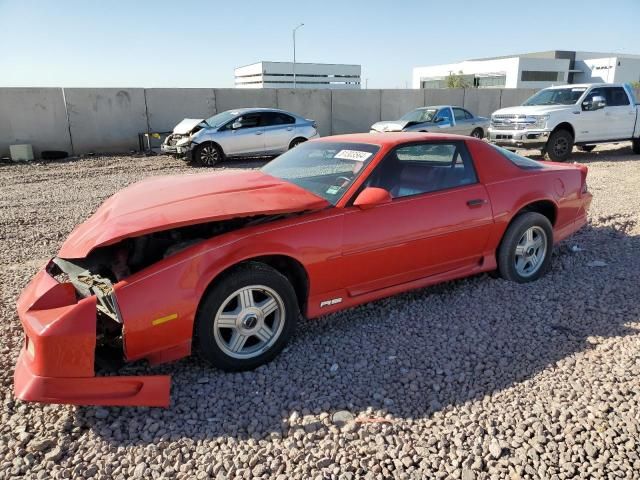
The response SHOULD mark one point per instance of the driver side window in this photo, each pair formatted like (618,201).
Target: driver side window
(445,115)
(250,120)
(424,167)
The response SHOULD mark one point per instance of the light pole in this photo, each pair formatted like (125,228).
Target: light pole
(294,53)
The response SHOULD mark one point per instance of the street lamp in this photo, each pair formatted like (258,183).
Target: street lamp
(294,54)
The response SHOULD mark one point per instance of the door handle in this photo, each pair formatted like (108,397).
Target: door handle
(258,133)
(289,128)
(476,202)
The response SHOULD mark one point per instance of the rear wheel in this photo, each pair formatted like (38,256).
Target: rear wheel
(559,146)
(524,254)
(586,148)
(478,133)
(635,145)
(207,154)
(247,318)
(296,141)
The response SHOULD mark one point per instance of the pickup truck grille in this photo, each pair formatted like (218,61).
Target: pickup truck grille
(510,122)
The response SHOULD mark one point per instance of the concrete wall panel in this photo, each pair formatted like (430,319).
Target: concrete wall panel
(168,106)
(314,104)
(395,103)
(354,111)
(512,97)
(444,96)
(106,119)
(230,98)
(35,116)
(482,102)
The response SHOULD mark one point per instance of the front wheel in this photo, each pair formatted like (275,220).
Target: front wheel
(247,318)
(207,154)
(635,145)
(559,146)
(478,133)
(524,254)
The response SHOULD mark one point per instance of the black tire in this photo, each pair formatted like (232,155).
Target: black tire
(252,274)
(208,154)
(635,145)
(296,141)
(511,240)
(478,133)
(586,148)
(559,146)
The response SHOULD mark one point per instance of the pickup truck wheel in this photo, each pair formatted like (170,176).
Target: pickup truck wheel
(208,154)
(635,145)
(586,148)
(524,254)
(478,133)
(559,146)
(247,318)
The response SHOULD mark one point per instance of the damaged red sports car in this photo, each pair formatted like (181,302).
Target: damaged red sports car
(224,263)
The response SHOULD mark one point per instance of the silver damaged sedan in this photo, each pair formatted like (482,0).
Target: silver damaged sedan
(439,118)
(245,132)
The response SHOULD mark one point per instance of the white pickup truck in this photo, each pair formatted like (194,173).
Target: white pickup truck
(557,118)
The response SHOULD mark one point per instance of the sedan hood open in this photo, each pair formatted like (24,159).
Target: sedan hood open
(186,125)
(163,203)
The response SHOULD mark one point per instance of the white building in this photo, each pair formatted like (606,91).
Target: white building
(534,70)
(307,75)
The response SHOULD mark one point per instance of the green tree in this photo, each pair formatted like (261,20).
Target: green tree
(636,84)
(457,80)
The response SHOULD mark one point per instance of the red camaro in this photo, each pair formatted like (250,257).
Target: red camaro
(225,263)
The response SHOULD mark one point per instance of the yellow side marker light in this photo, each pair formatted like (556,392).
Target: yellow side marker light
(161,320)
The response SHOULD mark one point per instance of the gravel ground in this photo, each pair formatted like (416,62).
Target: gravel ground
(472,379)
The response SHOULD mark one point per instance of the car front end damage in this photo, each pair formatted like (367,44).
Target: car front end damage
(71,321)
(176,144)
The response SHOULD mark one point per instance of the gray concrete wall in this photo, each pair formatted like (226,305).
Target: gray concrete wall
(168,106)
(35,116)
(395,103)
(109,119)
(354,110)
(442,96)
(106,119)
(228,98)
(482,102)
(314,104)
(512,97)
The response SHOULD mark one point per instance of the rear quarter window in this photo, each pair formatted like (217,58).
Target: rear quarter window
(518,160)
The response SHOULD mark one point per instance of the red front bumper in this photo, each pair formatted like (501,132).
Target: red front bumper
(56,364)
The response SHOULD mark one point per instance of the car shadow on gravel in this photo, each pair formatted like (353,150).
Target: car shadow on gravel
(612,152)
(408,356)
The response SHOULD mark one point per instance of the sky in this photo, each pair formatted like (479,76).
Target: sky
(188,43)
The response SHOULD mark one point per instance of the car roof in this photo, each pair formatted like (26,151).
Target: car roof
(260,109)
(392,139)
(582,85)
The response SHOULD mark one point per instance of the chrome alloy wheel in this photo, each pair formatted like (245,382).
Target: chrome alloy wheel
(531,251)
(249,321)
(209,155)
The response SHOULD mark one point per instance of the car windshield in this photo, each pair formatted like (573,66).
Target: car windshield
(326,169)
(420,115)
(518,160)
(556,96)
(221,118)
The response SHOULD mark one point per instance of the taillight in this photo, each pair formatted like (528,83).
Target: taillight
(583,176)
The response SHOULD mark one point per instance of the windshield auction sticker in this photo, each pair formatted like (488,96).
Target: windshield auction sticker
(357,155)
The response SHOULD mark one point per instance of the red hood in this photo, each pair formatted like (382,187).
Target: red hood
(162,203)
